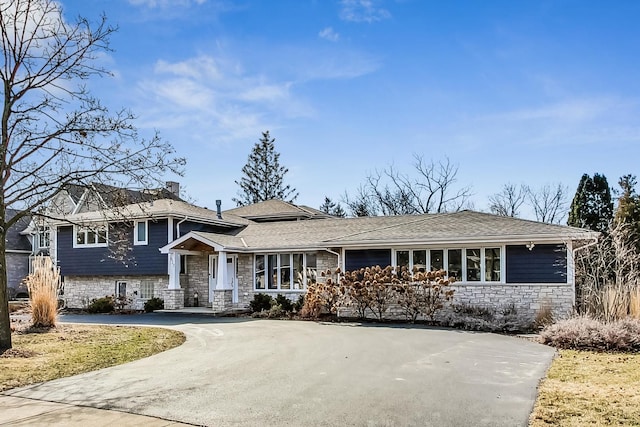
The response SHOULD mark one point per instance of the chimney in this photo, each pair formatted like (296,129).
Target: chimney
(174,188)
(219,208)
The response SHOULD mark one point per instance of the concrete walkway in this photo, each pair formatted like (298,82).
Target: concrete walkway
(17,411)
(273,373)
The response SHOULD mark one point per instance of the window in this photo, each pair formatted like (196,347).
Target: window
(121,289)
(183,264)
(260,272)
(140,233)
(455,263)
(284,271)
(492,264)
(437,259)
(420,261)
(90,236)
(146,289)
(473,265)
(468,265)
(44,237)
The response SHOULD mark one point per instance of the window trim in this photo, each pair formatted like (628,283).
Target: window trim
(463,267)
(44,233)
(86,229)
(137,242)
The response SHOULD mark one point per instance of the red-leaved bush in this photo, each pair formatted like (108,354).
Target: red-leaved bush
(585,333)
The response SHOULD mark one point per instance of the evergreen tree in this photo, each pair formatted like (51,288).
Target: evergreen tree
(592,206)
(628,211)
(332,208)
(263,176)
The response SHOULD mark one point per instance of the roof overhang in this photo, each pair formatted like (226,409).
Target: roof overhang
(192,242)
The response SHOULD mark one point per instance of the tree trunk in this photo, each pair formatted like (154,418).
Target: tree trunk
(5,325)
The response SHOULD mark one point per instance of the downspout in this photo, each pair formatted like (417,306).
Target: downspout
(178,226)
(336,254)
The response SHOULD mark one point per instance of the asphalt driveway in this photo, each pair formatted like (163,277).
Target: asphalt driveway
(304,373)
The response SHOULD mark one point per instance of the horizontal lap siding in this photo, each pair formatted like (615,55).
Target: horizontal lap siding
(188,226)
(542,264)
(135,259)
(356,259)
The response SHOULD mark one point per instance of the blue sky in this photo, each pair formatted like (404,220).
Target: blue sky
(528,92)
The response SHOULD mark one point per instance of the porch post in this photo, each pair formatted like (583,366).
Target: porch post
(174,295)
(174,270)
(222,279)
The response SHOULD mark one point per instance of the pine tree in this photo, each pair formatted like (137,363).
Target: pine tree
(592,206)
(628,211)
(332,208)
(263,176)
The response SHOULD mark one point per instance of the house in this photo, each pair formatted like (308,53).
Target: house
(18,252)
(179,251)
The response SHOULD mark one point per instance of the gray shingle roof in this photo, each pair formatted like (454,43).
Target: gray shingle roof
(276,209)
(15,240)
(458,227)
(159,209)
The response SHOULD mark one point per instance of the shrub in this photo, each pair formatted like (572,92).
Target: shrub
(43,285)
(297,306)
(101,305)
(285,303)
(489,319)
(260,302)
(152,304)
(585,333)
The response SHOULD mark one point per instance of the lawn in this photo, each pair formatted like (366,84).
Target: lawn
(587,388)
(73,349)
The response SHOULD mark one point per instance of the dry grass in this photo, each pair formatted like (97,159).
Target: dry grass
(43,285)
(586,388)
(634,302)
(73,349)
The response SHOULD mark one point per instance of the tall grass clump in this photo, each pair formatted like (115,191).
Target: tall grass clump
(586,333)
(43,285)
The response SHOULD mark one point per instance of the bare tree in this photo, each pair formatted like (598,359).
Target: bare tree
(509,201)
(431,188)
(54,132)
(549,203)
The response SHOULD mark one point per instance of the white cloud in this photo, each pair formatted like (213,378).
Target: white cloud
(329,34)
(362,11)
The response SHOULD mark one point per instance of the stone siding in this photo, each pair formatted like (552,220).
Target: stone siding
(80,290)
(173,299)
(528,299)
(221,300)
(245,280)
(196,280)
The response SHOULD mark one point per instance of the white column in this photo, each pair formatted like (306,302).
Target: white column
(222,278)
(174,270)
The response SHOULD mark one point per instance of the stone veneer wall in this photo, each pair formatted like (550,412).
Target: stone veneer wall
(80,290)
(528,299)
(196,279)
(221,300)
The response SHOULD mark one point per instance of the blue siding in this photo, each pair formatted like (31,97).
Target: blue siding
(543,264)
(188,226)
(136,259)
(356,259)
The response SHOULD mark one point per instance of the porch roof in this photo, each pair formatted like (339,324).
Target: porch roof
(430,229)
